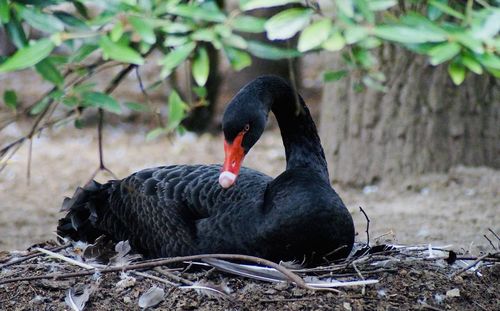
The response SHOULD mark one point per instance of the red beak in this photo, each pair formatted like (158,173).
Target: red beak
(234,155)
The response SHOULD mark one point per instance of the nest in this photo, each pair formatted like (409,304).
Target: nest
(108,277)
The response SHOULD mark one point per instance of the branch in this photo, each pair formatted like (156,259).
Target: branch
(291,276)
(367,226)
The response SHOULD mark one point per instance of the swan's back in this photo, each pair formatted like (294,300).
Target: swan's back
(168,211)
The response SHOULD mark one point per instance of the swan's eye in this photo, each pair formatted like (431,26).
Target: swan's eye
(247,128)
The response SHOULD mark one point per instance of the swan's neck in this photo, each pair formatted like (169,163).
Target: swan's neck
(298,131)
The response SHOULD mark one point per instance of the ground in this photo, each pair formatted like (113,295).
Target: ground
(454,209)
(403,279)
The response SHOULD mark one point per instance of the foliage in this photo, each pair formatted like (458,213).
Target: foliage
(81,36)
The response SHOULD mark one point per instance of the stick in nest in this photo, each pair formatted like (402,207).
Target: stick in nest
(292,277)
(474,263)
(367,226)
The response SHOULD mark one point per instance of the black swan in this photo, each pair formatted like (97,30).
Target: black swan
(194,209)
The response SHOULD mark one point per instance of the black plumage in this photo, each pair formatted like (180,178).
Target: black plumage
(183,210)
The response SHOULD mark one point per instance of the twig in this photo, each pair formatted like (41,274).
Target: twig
(293,80)
(287,300)
(431,307)
(287,273)
(479,305)
(30,153)
(64,258)
(152,277)
(30,256)
(491,243)
(367,226)
(363,289)
(494,233)
(173,276)
(475,262)
(101,166)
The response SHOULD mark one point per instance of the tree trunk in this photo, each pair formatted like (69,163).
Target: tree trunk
(423,123)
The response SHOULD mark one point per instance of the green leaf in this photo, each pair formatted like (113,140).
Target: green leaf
(116,32)
(28,56)
(121,53)
(79,124)
(16,33)
(287,23)
(446,9)
(176,110)
(250,24)
(101,100)
(363,7)
(405,34)
(434,13)
(335,43)
(137,107)
(10,99)
(491,26)
(472,64)
(235,41)
(204,34)
(443,52)
(49,72)
(380,5)
(363,57)
(70,101)
(330,76)
(314,34)
(40,106)
(153,134)
(345,7)
(175,58)
(176,41)
(198,12)
(354,34)
(493,72)
(237,58)
(200,91)
(71,20)
(258,4)
(144,28)
(201,67)
(41,21)
(470,42)
(490,60)
(81,8)
(267,51)
(457,72)
(4,12)
(82,53)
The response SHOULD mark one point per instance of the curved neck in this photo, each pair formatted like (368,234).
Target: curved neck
(298,131)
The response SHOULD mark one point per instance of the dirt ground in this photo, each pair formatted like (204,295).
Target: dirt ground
(440,209)
(402,279)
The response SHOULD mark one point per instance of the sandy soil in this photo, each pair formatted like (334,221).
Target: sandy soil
(455,208)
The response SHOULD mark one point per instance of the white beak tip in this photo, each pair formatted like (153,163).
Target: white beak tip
(226,179)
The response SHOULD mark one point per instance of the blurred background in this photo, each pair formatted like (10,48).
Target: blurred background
(407,110)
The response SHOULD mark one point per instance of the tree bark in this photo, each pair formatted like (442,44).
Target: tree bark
(423,123)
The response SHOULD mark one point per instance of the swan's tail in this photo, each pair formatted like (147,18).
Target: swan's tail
(83,209)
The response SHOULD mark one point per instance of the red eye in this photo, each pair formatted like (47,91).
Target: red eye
(247,128)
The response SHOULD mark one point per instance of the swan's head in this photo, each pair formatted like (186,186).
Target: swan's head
(243,123)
